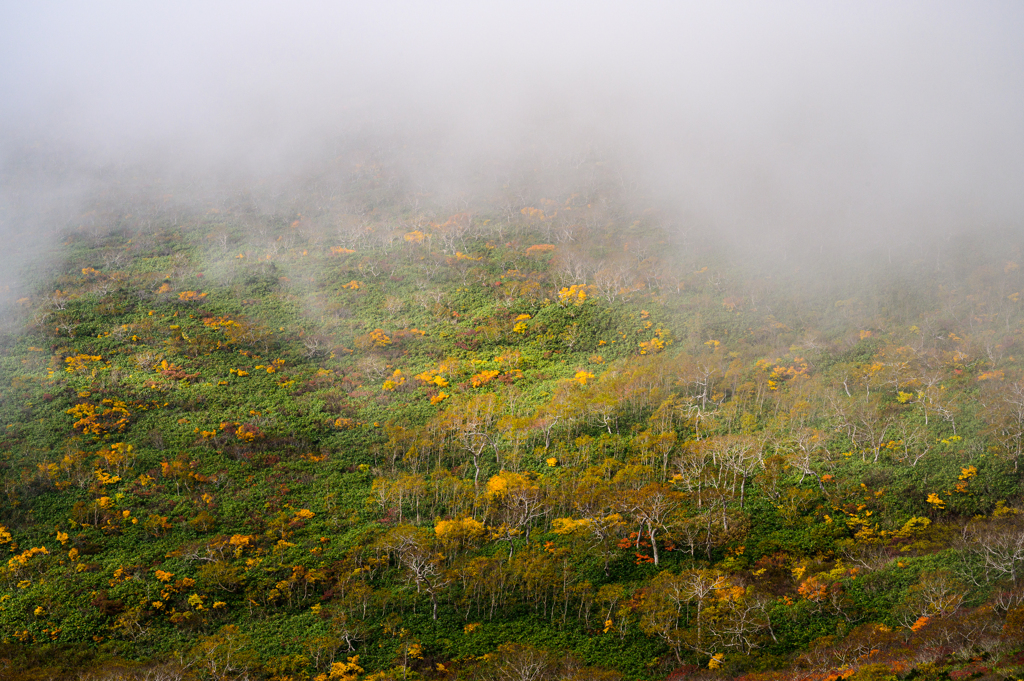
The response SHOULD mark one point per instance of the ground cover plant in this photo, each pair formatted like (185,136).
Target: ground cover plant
(377,436)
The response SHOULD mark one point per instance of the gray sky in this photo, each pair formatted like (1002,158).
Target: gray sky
(758,119)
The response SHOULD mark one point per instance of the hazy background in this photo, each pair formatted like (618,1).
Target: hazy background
(786,122)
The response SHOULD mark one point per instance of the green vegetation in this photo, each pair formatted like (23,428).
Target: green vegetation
(410,443)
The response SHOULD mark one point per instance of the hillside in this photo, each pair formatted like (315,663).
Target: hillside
(366,434)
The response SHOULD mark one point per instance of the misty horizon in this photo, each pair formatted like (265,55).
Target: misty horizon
(872,123)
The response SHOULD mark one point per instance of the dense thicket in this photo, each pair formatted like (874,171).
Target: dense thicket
(364,433)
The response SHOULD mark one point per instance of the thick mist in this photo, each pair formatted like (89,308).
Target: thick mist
(789,125)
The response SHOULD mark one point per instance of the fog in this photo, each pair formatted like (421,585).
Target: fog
(838,124)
